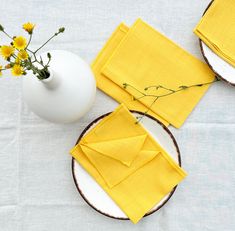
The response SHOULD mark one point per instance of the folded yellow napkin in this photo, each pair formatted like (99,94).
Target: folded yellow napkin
(133,169)
(142,57)
(107,85)
(217,29)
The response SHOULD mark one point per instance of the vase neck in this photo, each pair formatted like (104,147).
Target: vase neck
(52,81)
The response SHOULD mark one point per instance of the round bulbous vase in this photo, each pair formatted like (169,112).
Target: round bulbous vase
(67,94)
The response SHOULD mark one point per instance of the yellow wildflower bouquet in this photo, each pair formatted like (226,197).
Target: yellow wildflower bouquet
(22,59)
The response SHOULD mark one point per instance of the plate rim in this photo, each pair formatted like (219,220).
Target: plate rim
(205,57)
(77,184)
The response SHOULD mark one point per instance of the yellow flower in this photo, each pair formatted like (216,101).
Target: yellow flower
(29,27)
(17,70)
(17,60)
(0,70)
(23,55)
(7,51)
(20,42)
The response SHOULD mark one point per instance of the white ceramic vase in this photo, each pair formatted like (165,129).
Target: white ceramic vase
(67,94)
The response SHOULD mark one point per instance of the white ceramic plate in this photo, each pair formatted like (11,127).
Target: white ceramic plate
(222,69)
(95,196)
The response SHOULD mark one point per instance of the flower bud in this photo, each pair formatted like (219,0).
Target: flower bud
(62,29)
(49,55)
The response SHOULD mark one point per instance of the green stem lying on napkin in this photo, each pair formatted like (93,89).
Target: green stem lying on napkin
(158,96)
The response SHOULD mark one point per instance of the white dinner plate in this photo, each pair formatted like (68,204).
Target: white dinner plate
(222,69)
(95,196)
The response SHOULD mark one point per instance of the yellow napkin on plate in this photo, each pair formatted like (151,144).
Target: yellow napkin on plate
(217,29)
(142,57)
(133,169)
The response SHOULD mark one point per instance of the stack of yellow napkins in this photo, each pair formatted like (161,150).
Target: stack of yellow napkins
(133,169)
(217,29)
(141,57)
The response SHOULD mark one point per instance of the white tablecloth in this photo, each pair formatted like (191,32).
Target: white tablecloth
(37,192)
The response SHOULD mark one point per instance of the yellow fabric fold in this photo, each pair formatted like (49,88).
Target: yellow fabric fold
(136,175)
(217,29)
(108,86)
(117,148)
(142,57)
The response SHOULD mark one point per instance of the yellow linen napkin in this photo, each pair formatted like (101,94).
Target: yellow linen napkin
(217,29)
(133,169)
(142,57)
(108,86)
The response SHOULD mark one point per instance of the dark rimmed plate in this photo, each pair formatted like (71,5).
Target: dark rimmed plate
(221,68)
(95,196)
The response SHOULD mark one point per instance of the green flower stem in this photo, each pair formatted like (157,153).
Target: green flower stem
(158,87)
(139,118)
(4,69)
(35,58)
(125,85)
(30,38)
(28,64)
(156,96)
(48,40)
(49,60)
(7,34)
(45,67)
(14,56)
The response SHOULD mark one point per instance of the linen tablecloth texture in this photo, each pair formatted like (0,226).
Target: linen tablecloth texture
(216,29)
(142,57)
(134,170)
(37,192)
